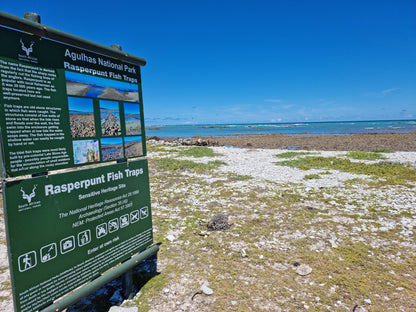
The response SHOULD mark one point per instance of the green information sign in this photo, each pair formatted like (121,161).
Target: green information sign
(66,229)
(63,107)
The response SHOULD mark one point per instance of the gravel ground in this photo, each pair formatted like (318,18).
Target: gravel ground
(266,175)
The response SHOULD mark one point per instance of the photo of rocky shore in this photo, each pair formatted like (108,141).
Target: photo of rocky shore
(81,117)
(98,87)
(110,118)
(132,119)
(112,149)
(133,146)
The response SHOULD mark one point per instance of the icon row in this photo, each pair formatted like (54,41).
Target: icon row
(29,260)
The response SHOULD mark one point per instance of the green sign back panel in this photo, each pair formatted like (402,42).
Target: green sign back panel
(63,107)
(65,229)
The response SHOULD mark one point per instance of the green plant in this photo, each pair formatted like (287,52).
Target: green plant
(382,150)
(197,152)
(171,164)
(390,173)
(293,154)
(365,155)
(311,176)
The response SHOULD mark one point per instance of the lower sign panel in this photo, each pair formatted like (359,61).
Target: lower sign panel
(64,230)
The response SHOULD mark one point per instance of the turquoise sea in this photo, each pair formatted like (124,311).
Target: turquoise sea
(296,128)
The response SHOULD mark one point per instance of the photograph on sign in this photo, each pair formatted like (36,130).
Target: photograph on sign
(132,119)
(62,107)
(110,118)
(112,148)
(133,146)
(81,117)
(93,86)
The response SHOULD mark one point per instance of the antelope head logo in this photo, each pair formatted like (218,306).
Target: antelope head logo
(27,50)
(30,196)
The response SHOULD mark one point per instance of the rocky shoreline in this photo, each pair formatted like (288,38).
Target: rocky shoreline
(405,142)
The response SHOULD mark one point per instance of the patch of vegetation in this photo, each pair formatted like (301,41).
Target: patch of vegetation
(153,148)
(152,288)
(239,177)
(390,173)
(170,164)
(293,154)
(6,285)
(365,155)
(382,150)
(312,177)
(198,151)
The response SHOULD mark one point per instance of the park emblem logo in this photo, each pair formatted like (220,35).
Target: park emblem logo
(28,199)
(27,49)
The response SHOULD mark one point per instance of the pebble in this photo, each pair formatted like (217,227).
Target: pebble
(206,290)
(303,269)
(243,253)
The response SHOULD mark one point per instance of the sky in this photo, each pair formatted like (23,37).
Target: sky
(219,61)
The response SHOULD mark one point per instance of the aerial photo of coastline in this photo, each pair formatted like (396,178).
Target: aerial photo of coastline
(81,117)
(98,87)
(110,118)
(112,148)
(133,146)
(132,119)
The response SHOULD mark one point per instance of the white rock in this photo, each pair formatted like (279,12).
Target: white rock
(206,290)
(303,269)
(170,238)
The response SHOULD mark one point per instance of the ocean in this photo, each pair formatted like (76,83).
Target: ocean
(295,129)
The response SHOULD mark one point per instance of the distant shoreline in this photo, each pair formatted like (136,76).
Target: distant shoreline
(309,141)
(291,129)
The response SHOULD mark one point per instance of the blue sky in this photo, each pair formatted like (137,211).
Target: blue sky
(80,104)
(109,105)
(132,109)
(241,61)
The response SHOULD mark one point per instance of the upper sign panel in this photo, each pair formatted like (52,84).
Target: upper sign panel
(62,107)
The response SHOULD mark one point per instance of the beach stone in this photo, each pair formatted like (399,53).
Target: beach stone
(218,221)
(303,269)
(206,290)
(358,308)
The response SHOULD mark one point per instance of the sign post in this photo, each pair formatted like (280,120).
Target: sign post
(67,106)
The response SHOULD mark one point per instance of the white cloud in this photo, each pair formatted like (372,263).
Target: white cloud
(384,92)
(288,106)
